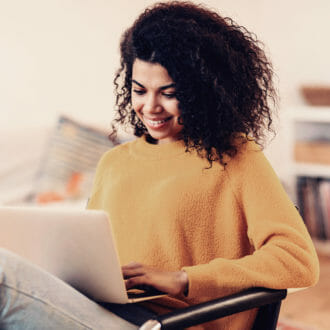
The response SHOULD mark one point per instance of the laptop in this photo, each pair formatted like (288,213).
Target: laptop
(77,246)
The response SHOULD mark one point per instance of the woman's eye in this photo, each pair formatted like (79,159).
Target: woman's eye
(169,95)
(138,92)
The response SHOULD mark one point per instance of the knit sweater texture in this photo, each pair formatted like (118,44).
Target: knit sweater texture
(229,227)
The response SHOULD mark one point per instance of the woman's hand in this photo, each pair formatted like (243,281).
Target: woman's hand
(173,283)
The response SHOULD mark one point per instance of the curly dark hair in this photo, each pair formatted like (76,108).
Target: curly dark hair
(223,79)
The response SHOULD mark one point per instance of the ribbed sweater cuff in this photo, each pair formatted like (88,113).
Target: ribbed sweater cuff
(194,282)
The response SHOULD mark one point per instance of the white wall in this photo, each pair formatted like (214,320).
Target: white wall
(297,32)
(59,56)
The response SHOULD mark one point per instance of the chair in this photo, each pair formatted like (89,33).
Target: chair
(267,300)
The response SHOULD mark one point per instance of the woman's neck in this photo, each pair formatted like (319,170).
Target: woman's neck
(151,140)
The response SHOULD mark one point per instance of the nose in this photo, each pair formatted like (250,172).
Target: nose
(152,105)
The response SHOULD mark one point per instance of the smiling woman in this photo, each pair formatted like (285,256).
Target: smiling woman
(154,101)
(197,90)
(196,209)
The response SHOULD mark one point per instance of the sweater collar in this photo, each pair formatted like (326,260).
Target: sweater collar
(143,149)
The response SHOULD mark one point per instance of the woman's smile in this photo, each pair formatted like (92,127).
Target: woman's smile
(156,123)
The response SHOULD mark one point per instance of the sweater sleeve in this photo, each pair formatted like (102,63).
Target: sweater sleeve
(284,255)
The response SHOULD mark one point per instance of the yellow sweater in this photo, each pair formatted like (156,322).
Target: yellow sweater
(229,228)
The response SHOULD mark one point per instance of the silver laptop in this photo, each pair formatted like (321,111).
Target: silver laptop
(77,246)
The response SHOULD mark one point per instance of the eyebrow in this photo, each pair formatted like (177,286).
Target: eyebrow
(161,88)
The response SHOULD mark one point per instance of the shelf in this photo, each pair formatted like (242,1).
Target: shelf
(308,113)
(307,123)
(313,170)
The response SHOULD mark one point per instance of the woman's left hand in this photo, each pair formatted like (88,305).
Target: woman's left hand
(173,283)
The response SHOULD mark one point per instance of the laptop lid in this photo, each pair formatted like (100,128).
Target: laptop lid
(77,246)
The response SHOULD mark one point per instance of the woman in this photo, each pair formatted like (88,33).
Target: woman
(204,212)
(196,208)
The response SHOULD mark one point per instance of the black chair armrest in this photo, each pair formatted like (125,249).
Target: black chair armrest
(221,307)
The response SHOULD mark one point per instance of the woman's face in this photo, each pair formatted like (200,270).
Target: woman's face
(154,101)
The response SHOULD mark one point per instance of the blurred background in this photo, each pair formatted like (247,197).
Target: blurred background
(57,64)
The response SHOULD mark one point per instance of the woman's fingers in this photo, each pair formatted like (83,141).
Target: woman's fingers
(133,269)
(132,264)
(137,281)
(139,275)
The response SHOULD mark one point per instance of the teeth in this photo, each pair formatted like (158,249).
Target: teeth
(155,122)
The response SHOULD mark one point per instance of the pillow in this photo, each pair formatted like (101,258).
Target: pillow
(68,166)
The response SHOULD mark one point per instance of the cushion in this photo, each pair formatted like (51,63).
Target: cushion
(69,162)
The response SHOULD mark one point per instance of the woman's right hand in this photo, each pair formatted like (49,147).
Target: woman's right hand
(173,283)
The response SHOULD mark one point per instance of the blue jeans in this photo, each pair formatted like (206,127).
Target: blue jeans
(31,298)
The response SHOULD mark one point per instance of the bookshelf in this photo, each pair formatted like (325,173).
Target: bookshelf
(310,177)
